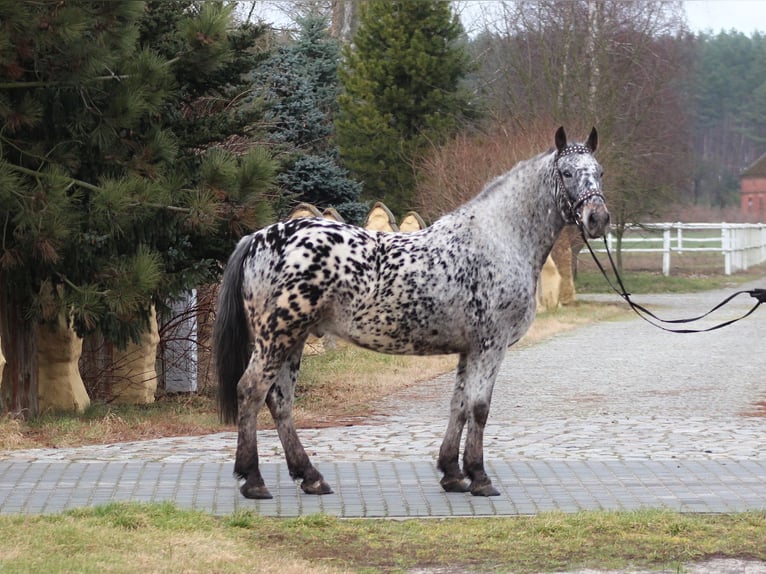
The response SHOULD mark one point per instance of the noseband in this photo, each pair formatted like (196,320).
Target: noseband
(569,210)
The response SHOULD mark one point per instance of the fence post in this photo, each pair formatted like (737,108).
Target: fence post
(666,251)
(763,244)
(180,349)
(726,248)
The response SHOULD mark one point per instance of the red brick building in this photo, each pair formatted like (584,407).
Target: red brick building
(752,185)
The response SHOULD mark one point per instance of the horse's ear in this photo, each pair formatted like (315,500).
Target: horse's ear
(592,142)
(561,138)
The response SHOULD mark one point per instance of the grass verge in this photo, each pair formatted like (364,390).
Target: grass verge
(103,423)
(161,538)
(646,282)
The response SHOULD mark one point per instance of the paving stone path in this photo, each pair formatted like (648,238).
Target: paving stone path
(615,415)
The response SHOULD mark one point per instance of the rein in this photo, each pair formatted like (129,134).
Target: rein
(651,318)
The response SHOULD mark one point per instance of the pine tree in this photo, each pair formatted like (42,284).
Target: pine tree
(302,86)
(103,207)
(402,93)
(216,127)
(729,84)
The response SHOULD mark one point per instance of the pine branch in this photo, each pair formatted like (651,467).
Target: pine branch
(79,289)
(55,84)
(95,188)
(37,84)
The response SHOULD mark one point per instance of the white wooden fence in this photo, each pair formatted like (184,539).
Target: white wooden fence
(741,245)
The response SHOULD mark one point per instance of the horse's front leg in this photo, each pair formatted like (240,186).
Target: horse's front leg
(448,462)
(480,380)
(280,403)
(251,393)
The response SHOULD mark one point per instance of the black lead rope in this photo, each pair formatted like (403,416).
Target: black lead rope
(651,318)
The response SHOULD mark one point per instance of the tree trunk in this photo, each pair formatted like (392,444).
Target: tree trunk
(60,387)
(135,375)
(345,19)
(563,256)
(18,391)
(618,233)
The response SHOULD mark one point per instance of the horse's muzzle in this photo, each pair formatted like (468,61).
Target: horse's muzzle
(595,218)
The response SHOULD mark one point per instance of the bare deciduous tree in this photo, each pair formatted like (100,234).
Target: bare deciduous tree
(615,64)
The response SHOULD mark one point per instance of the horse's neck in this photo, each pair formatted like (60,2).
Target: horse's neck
(520,209)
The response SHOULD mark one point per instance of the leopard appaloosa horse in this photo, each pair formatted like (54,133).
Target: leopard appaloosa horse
(464,285)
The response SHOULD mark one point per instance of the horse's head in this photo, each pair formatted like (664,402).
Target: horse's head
(578,184)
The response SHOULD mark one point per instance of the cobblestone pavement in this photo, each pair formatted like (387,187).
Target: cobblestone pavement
(615,415)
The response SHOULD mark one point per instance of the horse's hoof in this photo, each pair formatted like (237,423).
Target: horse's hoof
(316,487)
(454,485)
(255,492)
(485,489)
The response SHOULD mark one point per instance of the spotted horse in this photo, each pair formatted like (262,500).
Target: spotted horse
(464,285)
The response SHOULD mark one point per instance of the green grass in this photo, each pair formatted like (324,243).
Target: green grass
(102,423)
(185,407)
(332,364)
(161,538)
(592,281)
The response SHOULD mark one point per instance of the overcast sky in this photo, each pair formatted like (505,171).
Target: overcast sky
(746,16)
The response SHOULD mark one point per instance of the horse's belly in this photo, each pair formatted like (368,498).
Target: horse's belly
(387,334)
(435,324)
(400,346)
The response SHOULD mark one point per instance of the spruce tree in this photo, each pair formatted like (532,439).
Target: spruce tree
(302,86)
(402,92)
(103,208)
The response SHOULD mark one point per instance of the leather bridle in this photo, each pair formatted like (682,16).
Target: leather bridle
(569,209)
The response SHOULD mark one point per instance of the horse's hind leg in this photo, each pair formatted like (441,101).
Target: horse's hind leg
(251,393)
(280,403)
(452,481)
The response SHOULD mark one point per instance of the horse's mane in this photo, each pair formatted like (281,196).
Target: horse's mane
(498,181)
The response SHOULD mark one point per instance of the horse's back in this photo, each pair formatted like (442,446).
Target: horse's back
(296,270)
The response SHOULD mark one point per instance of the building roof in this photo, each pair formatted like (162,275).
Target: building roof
(756,169)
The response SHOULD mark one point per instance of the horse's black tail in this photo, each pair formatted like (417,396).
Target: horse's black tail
(231,336)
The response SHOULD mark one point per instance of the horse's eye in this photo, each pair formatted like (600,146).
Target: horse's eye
(601,174)
(566,173)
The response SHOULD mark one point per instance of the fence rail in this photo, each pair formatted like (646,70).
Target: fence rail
(741,245)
